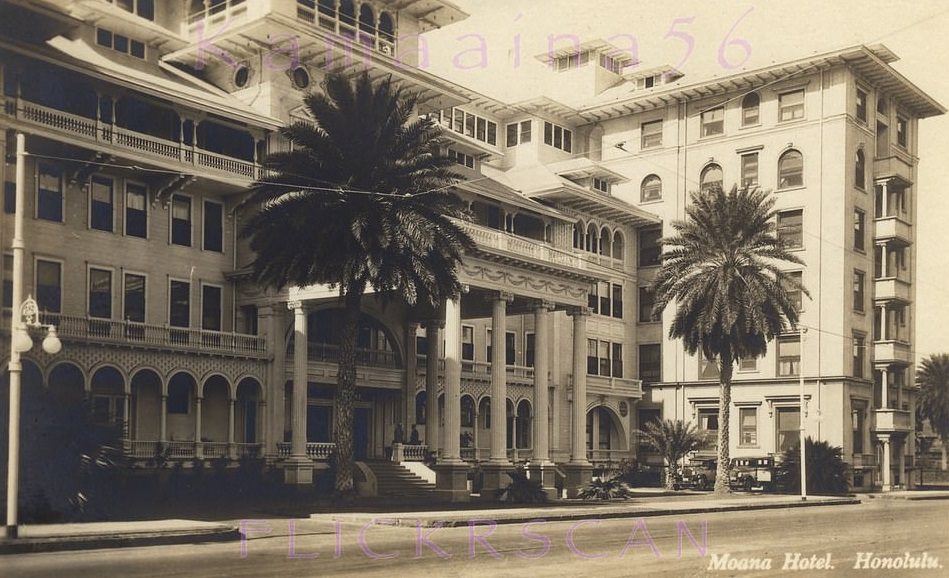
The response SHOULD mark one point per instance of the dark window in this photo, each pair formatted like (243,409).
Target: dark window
(509,347)
(100,293)
(8,280)
(179,396)
(104,38)
(712,177)
(617,360)
(791,228)
(793,287)
(49,287)
(179,304)
(749,170)
(181,221)
(858,290)
(647,299)
(136,211)
(49,202)
(650,362)
(790,170)
(529,348)
(713,122)
(137,49)
(789,356)
(604,292)
(102,203)
(861,105)
(467,343)
(593,361)
(134,307)
(9,197)
(213,226)
(860,170)
(902,130)
(617,301)
(210,308)
(749,109)
(511,135)
(859,229)
(859,349)
(650,251)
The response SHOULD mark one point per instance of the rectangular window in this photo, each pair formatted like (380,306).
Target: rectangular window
(647,299)
(601,185)
(708,368)
(213,226)
(708,421)
(49,195)
(749,170)
(603,289)
(748,364)
(617,359)
(593,298)
(748,420)
(488,349)
(791,105)
(858,290)
(134,302)
(859,353)
(902,131)
(713,122)
(9,196)
(49,285)
(510,348)
(789,356)
(101,204)
(650,362)
(861,105)
(858,417)
(7,280)
(470,125)
(181,221)
(467,342)
(518,133)
(859,230)
(511,135)
(651,134)
(795,280)
(461,158)
(100,293)
(593,361)
(492,133)
(617,301)
(530,342)
(120,43)
(788,428)
(791,228)
(558,137)
(136,210)
(650,251)
(211,307)
(179,304)
(604,358)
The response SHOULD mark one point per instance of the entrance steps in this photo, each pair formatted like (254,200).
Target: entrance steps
(394,480)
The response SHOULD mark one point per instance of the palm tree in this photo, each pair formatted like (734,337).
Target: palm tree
(673,439)
(933,381)
(722,268)
(360,202)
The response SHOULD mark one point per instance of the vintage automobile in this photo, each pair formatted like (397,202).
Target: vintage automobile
(750,473)
(699,475)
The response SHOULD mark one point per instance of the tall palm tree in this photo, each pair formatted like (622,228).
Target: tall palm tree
(722,270)
(673,439)
(360,202)
(933,381)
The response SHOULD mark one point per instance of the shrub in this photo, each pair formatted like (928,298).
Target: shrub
(826,470)
(612,488)
(522,490)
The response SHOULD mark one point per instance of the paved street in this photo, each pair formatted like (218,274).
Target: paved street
(883,527)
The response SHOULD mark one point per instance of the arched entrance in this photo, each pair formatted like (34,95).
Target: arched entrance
(248,412)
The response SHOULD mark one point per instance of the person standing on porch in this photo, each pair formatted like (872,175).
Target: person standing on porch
(413,437)
(399,437)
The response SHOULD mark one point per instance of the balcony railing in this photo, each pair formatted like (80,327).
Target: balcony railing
(607,457)
(329,353)
(889,420)
(91,131)
(151,336)
(481,370)
(319,451)
(487,237)
(614,386)
(414,453)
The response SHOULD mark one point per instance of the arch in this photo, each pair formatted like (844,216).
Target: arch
(216,396)
(619,245)
(182,388)
(651,189)
(107,379)
(249,386)
(618,437)
(66,383)
(591,238)
(215,381)
(860,170)
(578,235)
(524,416)
(377,343)
(790,169)
(347,18)
(248,410)
(386,27)
(711,177)
(421,400)
(367,24)
(146,390)
(750,106)
(605,237)
(484,411)
(467,411)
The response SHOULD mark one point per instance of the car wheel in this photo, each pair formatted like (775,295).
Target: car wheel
(747,484)
(676,487)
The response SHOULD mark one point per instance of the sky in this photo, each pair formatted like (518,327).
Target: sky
(726,37)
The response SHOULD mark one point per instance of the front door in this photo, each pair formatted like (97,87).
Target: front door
(361,433)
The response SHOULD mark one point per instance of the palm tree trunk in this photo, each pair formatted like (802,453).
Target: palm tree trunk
(346,394)
(944,444)
(724,411)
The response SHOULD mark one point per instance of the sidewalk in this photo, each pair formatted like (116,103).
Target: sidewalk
(95,535)
(919,494)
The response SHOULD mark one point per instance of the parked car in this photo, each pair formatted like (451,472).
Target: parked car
(749,473)
(702,475)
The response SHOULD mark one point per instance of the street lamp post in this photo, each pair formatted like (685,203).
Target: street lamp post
(25,316)
(803,414)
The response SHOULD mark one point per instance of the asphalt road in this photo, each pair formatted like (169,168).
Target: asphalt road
(850,535)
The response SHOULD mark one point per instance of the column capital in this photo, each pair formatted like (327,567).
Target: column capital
(579,312)
(295,306)
(434,323)
(494,296)
(543,305)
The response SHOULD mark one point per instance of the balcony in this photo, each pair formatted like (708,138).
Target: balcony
(893,166)
(506,243)
(181,450)
(618,386)
(892,227)
(890,288)
(146,336)
(374,367)
(319,451)
(121,141)
(892,352)
(890,420)
(481,371)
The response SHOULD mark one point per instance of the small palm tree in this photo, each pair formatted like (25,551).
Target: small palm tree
(722,269)
(360,202)
(673,439)
(826,469)
(933,402)
(607,489)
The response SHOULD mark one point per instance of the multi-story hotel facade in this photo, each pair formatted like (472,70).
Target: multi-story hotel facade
(145,123)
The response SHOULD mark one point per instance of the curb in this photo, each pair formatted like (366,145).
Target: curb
(99,541)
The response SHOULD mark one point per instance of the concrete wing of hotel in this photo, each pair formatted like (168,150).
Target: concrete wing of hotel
(146,122)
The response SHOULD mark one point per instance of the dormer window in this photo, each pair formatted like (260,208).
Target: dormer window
(471,125)
(120,43)
(461,158)
(601,185)
(143,8)
(558,137)
(611,64)
(518,133)
(572,61)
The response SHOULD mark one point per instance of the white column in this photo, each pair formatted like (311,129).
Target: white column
(902,463)
(578,446)
(887,474)
(298,404)
(452,387)
(433,338)
(886,200)
(884,261)
(198,446)
(885,387)
(499,377)
(163,424)
(541,372)
(594,432)
(230,427)
(127,408)
(884,322)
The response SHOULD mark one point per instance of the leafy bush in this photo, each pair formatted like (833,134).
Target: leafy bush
(606,489)
(522,490)
(827,473)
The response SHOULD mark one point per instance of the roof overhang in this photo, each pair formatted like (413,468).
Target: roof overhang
(602,205)
(497,191)
(584,168)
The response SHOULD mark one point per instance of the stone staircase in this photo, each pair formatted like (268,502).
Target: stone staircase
(398,482)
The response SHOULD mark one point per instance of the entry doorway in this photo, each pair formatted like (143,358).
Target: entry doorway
(361,434)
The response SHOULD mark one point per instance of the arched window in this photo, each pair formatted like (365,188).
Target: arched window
(578,235)
(605,239)
(592,241)
(467,411)
(420,405)
(790,169)
(367,25)
(327,11)
(860,170)
(749,109)
(619,245)
(347,18)
(712,177)
(386,28)
(651,189)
